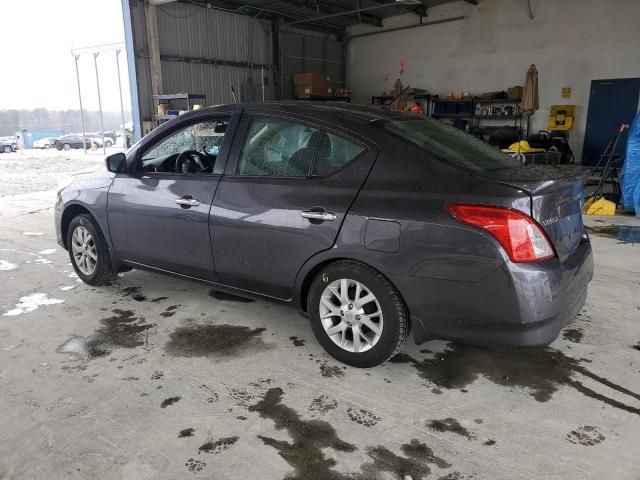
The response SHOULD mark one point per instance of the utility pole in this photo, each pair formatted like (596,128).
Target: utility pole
(95,64)
(84,143)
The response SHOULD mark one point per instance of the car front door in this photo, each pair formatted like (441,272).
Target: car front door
(158,212)
(287,188)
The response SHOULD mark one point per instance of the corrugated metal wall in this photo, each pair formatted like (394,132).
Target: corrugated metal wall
(191,38)
(306,51)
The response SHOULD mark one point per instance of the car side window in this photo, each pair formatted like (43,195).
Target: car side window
(191,150)
(333,153)
(277,147)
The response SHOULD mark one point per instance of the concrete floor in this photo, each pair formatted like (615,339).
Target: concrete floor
(180,384)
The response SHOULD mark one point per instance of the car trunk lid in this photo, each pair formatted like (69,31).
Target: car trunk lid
(556,200)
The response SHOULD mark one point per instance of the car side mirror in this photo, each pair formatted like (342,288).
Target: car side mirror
(116,163)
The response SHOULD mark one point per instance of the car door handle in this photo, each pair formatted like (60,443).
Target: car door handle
(322,216)
(187,201)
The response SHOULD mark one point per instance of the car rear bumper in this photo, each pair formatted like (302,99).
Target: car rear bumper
(518,304)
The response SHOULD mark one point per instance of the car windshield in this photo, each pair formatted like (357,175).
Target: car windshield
(449,145)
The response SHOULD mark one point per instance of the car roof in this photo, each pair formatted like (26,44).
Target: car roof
(354,111)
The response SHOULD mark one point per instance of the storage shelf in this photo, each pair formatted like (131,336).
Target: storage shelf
(499,100)
(180,96)
(453,100)
(452,115)
(165,117)
(320,98)
(498,117)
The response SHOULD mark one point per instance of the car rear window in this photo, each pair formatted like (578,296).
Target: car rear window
(449,145)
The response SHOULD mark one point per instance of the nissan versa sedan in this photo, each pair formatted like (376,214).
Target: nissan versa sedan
(376,225)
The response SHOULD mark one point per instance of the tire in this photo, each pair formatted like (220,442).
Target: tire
(47,146)
(108,143)
(102,272)
(7,149)
(66,147)
(375,347)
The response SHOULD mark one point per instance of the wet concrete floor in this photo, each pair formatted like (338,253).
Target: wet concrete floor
(159,378)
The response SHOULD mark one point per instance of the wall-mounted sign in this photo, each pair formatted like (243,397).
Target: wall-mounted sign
(566,92)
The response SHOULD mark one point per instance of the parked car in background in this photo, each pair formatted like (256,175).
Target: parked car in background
(45,143)
(72,140)
(375,224)
(7,146)
(96,138)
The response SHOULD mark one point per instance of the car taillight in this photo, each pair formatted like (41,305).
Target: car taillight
(519,234)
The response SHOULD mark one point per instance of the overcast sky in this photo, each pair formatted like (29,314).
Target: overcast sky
(38,70)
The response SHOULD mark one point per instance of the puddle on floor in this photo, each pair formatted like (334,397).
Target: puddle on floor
(539,370)
(623,233)
(573,335)
(449,425)
(309,439)
(215,341)
(218,446)
(170,401)
(122,330)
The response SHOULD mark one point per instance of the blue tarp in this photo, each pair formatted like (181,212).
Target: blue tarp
(631,169)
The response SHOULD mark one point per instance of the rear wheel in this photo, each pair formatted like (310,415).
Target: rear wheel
(7,149)
(66,146)
(88,251)
(108,143)
(356,314)
(47,146)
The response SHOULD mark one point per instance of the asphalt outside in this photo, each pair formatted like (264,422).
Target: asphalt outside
(159,378)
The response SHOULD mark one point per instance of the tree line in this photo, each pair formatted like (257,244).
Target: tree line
(67,121)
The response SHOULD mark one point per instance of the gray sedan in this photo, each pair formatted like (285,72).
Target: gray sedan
(376,225)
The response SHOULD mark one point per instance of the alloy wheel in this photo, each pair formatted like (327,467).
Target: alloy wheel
(351,315)
(83,248)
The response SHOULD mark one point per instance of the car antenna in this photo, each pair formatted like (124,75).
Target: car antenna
(233,94)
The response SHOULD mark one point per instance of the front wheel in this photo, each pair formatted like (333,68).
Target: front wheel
(7,149)
(47,146)
(66,147)
(88,251)
(357,315)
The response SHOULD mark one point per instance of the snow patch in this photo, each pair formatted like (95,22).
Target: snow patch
(42,261)
(32,302)
(69,287)
(32,234)
(48,251)
(6,266)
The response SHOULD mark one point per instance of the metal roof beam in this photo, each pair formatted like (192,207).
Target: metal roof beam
(265,13)
(334,11)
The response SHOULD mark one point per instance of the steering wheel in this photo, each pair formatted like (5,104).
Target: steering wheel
(195,162)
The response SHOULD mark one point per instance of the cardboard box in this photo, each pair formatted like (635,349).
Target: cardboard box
(312,83)
(514,93)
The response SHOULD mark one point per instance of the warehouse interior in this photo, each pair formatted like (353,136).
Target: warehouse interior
(176,365)
(445,50)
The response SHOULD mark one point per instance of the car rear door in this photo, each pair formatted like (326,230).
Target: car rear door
(288,186)
(160,218)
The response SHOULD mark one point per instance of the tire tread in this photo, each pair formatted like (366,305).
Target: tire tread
(105,272)
(397,301)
